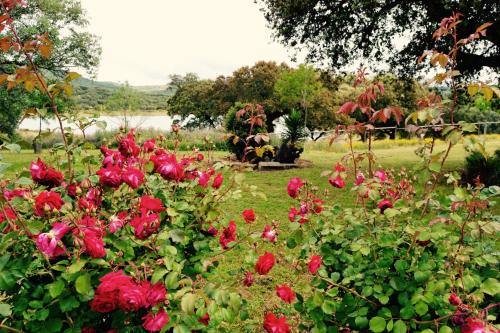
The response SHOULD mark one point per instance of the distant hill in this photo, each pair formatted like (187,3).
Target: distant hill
(84,82)
(92,95)
(159,89)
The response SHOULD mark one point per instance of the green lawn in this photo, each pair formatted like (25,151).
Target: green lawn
(275,209)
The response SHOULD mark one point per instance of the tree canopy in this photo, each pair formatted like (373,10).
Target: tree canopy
(72,48)
(65,22)
(338,32)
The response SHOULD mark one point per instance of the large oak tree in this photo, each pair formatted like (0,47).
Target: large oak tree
(338,32)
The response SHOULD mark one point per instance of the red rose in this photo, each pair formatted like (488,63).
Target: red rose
(285,293)
(454,300)
(132,297)
(149,145)
(7,214)
(292,214)
(205,319)
(93,243)
(133,177)
(155,322)
(384,204)
(248,281)
(249,215)
(203,179)
(45,175)
(265,263)
(272,324)
(145,225)
(200,157)
(110,176)
(474,325)
(16,193)
(217,181)
(269,234)
(127,145)
(339,168)
(152,204)
(155,293)
(317,206)
(314,264)
(104,301)
(113,280)
(47,202)
(228,235)
(211,231)
(337,182)
(294,186)
(360,178)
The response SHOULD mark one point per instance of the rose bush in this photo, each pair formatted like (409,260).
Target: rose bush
(126,247)
(401,259)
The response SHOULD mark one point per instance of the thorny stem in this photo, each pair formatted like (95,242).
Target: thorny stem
(370,167)
(46,90)
(352,155)
(349,290)
(436,180)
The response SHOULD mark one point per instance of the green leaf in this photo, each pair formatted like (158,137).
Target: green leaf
(399,327)
(56,288)
(421,308)
(445,329)
(68,303)
(83,285)
(328,307)
(422,276)
(5,310)
(407,312)
(181,329)
(490,286)
(187,303)
(158,275)
(361,322)
(377,324)
(77,266)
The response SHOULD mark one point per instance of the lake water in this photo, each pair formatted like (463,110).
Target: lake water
(163,123)
(113,123)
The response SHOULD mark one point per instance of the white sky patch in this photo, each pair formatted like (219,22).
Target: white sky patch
(145,41)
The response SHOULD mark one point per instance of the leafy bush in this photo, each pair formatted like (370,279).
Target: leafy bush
(383,269)
(248,139)
(487,169)
(96,250)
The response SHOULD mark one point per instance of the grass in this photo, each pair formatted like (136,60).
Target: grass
(261,295)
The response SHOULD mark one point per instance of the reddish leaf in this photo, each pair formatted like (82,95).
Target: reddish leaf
(347,108)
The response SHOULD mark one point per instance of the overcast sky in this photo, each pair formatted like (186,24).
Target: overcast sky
(145,41)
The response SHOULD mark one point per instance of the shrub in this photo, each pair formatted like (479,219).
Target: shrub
(125,248)
(294,133)
(248,138)
(487,169)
